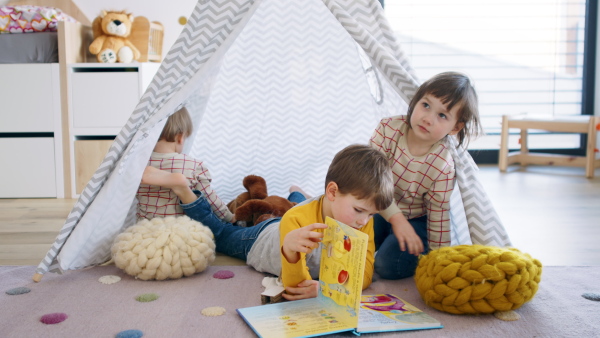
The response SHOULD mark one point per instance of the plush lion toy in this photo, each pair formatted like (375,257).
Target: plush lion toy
(255,205)
(110,44)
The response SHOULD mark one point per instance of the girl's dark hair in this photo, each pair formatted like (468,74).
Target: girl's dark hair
(453,89)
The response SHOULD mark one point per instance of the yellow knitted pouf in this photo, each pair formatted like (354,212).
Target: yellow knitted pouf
(474,279)
(161,248)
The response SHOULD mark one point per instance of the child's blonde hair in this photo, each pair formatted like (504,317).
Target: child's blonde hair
(178,123)
(452,89)
(363,172)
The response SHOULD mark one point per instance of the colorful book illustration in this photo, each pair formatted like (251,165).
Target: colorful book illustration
(340,305)
(387,312)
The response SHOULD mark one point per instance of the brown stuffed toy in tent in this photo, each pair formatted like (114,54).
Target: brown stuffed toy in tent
(255,205)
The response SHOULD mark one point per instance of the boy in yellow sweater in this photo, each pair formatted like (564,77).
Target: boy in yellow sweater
(358,185)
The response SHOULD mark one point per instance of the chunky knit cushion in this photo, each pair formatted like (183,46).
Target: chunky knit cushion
(161,248)
(473,279)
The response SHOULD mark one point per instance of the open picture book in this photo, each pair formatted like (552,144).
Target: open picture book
(340,305)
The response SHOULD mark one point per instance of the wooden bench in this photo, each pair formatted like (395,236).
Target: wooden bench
(583,124)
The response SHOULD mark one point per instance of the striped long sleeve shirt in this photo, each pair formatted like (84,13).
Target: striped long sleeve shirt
(423,184)
(156,201)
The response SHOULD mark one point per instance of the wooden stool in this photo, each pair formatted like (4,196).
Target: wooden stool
(583,124)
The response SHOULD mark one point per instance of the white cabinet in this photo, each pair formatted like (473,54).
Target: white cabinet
(28,97)
(102,98)
(31,154)
(54,133)
(28,167)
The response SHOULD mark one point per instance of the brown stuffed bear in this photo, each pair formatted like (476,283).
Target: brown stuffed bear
(255,205)
(110,31)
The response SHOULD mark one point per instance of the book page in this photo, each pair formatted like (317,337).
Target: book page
(299,318)
(343,255)
(387,312)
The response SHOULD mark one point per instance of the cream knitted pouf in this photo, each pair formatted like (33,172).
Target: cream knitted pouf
(161,248)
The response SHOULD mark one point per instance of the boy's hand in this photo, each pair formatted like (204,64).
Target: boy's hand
(303,239)
(305,289)
(406,235)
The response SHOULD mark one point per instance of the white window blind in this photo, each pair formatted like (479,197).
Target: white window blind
(524,56)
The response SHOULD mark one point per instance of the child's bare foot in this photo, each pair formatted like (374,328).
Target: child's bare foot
(298,189)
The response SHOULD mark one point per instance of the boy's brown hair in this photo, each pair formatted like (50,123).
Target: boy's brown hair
(363,172)
(178,123)
(453,88)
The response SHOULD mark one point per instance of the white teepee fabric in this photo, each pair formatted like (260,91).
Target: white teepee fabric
(275,88)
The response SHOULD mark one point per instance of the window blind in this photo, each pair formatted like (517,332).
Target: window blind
(524,56)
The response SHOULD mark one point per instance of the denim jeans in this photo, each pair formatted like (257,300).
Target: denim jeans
(230,239)
(390,261)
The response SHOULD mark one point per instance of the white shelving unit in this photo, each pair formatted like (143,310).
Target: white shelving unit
(31,154)
(102,97)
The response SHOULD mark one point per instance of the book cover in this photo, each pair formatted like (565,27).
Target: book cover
(340,305)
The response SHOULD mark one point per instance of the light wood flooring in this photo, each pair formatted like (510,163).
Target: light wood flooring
(552,213)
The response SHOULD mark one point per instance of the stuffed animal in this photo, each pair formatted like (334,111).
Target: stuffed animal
(255,205)
(110,44)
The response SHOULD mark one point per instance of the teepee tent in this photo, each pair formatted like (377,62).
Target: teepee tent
(275,88)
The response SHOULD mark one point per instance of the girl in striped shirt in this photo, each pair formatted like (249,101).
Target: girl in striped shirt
(417,149)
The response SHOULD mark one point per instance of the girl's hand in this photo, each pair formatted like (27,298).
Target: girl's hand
(303,239)
(406,235)
(305,289)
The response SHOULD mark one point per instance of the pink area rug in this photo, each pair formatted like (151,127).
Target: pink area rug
(95,309)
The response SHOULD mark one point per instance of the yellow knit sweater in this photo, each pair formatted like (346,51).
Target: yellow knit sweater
(307,214)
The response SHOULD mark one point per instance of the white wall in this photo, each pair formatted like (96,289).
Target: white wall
(154,10)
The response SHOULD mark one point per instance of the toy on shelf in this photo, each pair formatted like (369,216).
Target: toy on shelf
(111,44)
(148,38)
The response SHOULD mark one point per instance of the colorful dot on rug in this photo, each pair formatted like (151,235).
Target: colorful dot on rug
(54,318)
(213,311)
(109,279)
(18,291)
(508,316)
(223,274)
(591,296)
(130,334)
(147,297)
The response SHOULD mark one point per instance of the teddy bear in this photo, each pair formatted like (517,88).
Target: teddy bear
(255,205)
(110,44)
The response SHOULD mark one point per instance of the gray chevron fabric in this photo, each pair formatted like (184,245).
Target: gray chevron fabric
(274,88)
(484,224)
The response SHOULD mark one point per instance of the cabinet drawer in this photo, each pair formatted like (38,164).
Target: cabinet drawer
(28,168)
(30,97)
(104,99)
(88,156)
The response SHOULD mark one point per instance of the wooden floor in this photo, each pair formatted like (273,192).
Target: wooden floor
(552,213)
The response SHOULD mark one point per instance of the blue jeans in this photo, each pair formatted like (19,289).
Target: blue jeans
(230,239)
(390,261)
